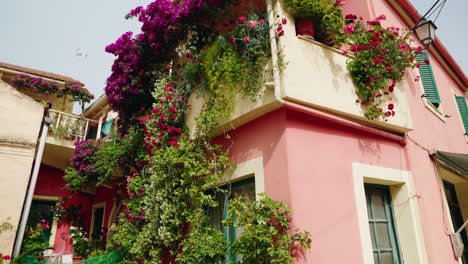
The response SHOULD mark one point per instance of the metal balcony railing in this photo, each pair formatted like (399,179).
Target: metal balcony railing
(70,126)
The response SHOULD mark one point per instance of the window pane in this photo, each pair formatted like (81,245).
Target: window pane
(386,257)
(382,234)
(376,258)
(378,206)
(97,224)
(369,211)
(41,210)
(372,232)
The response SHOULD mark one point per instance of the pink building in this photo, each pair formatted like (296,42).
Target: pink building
(367,191)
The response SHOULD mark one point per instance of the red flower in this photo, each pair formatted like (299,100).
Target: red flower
(188,55)
(40,257)
(372,78)
(172,116)
(390,106)
(168,96)
(377,61)
(426,61)
(361,47)
(241,20)
(281,33)
(390,89)
(142,122)
(29,233)
(284,21)
(155,110)
(375,38)
(381,17)
(232,39)
(373,43)
(350,17)
(172,109)
(418,65)
(252,24)
(246,39)
(389,69)
(6,257)
(261,21)
(345,53)
(391,36)
(43,221)
(374,23)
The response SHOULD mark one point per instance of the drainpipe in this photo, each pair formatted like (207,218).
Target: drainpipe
(32,186)
(274,51)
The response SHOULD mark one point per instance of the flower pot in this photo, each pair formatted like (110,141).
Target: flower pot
(305,27)
(77,258)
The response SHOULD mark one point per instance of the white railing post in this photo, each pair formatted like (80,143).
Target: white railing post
(86,130)
(58,119)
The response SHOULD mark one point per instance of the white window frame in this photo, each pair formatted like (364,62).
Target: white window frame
(405,206)
(245,170)
(446,174)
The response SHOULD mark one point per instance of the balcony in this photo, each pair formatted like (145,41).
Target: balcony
(316,76)
(63,132)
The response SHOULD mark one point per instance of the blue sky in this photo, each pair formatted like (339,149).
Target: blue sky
(48,34)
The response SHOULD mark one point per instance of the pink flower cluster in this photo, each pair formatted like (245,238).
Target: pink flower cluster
(130,83)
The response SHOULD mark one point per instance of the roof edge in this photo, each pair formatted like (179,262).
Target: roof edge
(437,45)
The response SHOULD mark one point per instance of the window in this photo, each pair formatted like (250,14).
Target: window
(463,110)
(42,210)
(244,189)
(97,221)
(428,81)
(456,215)
(381,224)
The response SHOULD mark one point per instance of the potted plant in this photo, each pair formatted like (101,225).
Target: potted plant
(80,243)
(318,19)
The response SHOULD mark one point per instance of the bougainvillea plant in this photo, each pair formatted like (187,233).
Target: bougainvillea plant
(381,57)
(40,86)
(82,170)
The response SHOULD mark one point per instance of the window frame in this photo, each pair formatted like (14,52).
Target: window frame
(390,220)
(53,225)
(406,208)
(465,128)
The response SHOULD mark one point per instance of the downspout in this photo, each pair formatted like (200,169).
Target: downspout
(274,51)
(32,186)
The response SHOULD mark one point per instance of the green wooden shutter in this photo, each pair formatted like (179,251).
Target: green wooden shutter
(463,108)
(428,80)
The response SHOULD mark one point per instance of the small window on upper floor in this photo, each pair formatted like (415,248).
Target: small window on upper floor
(428,81)
(463,110)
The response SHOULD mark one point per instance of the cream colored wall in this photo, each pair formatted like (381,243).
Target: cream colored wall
(244,110)
(20,118)
(316,75)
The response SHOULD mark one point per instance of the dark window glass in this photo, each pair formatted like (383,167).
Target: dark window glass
(97,223)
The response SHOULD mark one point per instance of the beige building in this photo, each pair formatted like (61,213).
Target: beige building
(21,115)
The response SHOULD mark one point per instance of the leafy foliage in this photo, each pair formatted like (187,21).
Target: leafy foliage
(326,14)
(33,244)
(267,235)
(382,55)
(40,86)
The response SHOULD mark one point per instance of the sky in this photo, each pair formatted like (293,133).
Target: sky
(68,37)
